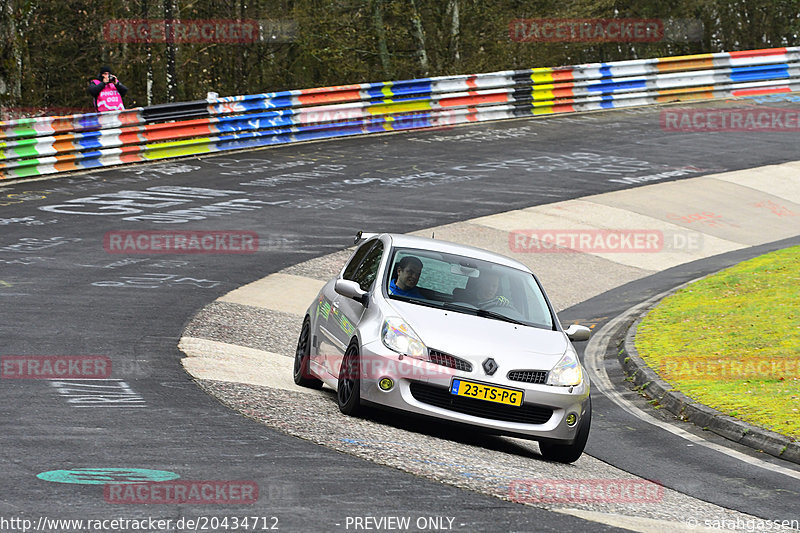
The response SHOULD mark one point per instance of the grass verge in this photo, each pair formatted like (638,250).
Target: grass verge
(732,341)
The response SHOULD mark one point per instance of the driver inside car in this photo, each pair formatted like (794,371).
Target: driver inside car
(487,292)
(483,291)
(404,282)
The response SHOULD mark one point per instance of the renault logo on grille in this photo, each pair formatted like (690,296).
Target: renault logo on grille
(489,366)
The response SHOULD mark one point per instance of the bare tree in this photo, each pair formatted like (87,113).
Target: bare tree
(148,50)
(172,80)
(455,31)
(380,34)
(11,79)
(419,37)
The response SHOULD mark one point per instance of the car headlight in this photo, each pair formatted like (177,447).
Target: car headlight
(567,371)
(399,337)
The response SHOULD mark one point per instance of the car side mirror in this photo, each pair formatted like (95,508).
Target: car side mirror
(577,333)
(351,289)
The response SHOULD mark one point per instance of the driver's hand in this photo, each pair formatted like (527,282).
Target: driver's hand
(502,301)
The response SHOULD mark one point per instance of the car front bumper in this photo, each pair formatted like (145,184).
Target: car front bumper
(410,376)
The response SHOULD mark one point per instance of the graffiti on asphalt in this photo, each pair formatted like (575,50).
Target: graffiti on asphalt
(478,136)
(135,204)
(575,162)
(156,281)
(98,393)
(27,221)
(32,244)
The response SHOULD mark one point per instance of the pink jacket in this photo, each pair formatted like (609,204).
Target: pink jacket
(109,98)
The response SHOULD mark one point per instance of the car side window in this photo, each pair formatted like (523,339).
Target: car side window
(366,271)
(349,270)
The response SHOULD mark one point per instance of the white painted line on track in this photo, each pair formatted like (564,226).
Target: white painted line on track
(280,292)
(634,523)
(220,361)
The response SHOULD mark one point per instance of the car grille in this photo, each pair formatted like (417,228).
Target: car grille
(445,359)
(439,397)
(538,377)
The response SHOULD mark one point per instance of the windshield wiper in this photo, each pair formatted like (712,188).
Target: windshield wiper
(498,316)
(482,313)
(419,301)
(461,308)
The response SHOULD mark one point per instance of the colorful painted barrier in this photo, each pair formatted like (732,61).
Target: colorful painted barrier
(46,145)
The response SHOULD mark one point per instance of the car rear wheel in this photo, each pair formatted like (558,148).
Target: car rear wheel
(348,391)
(569,453)
(302,355)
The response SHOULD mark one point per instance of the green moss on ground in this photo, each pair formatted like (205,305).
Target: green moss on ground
(732,341)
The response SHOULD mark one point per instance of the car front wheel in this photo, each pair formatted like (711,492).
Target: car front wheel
(569,453)
(302,355)
(348,391)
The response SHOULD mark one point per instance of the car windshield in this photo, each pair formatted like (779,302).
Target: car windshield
(467,285)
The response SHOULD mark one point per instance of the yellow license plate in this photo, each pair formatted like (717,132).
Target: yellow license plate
(486,392)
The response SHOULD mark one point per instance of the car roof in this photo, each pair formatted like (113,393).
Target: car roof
(437,245)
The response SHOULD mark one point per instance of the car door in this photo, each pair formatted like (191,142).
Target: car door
(346,313)
(328,320)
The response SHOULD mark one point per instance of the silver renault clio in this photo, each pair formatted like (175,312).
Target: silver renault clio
(451,332)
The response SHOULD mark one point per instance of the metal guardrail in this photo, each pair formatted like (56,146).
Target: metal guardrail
(47,145)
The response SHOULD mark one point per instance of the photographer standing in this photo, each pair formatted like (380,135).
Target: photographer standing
(107,92)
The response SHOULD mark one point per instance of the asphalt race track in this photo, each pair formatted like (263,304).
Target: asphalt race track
(64,294)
